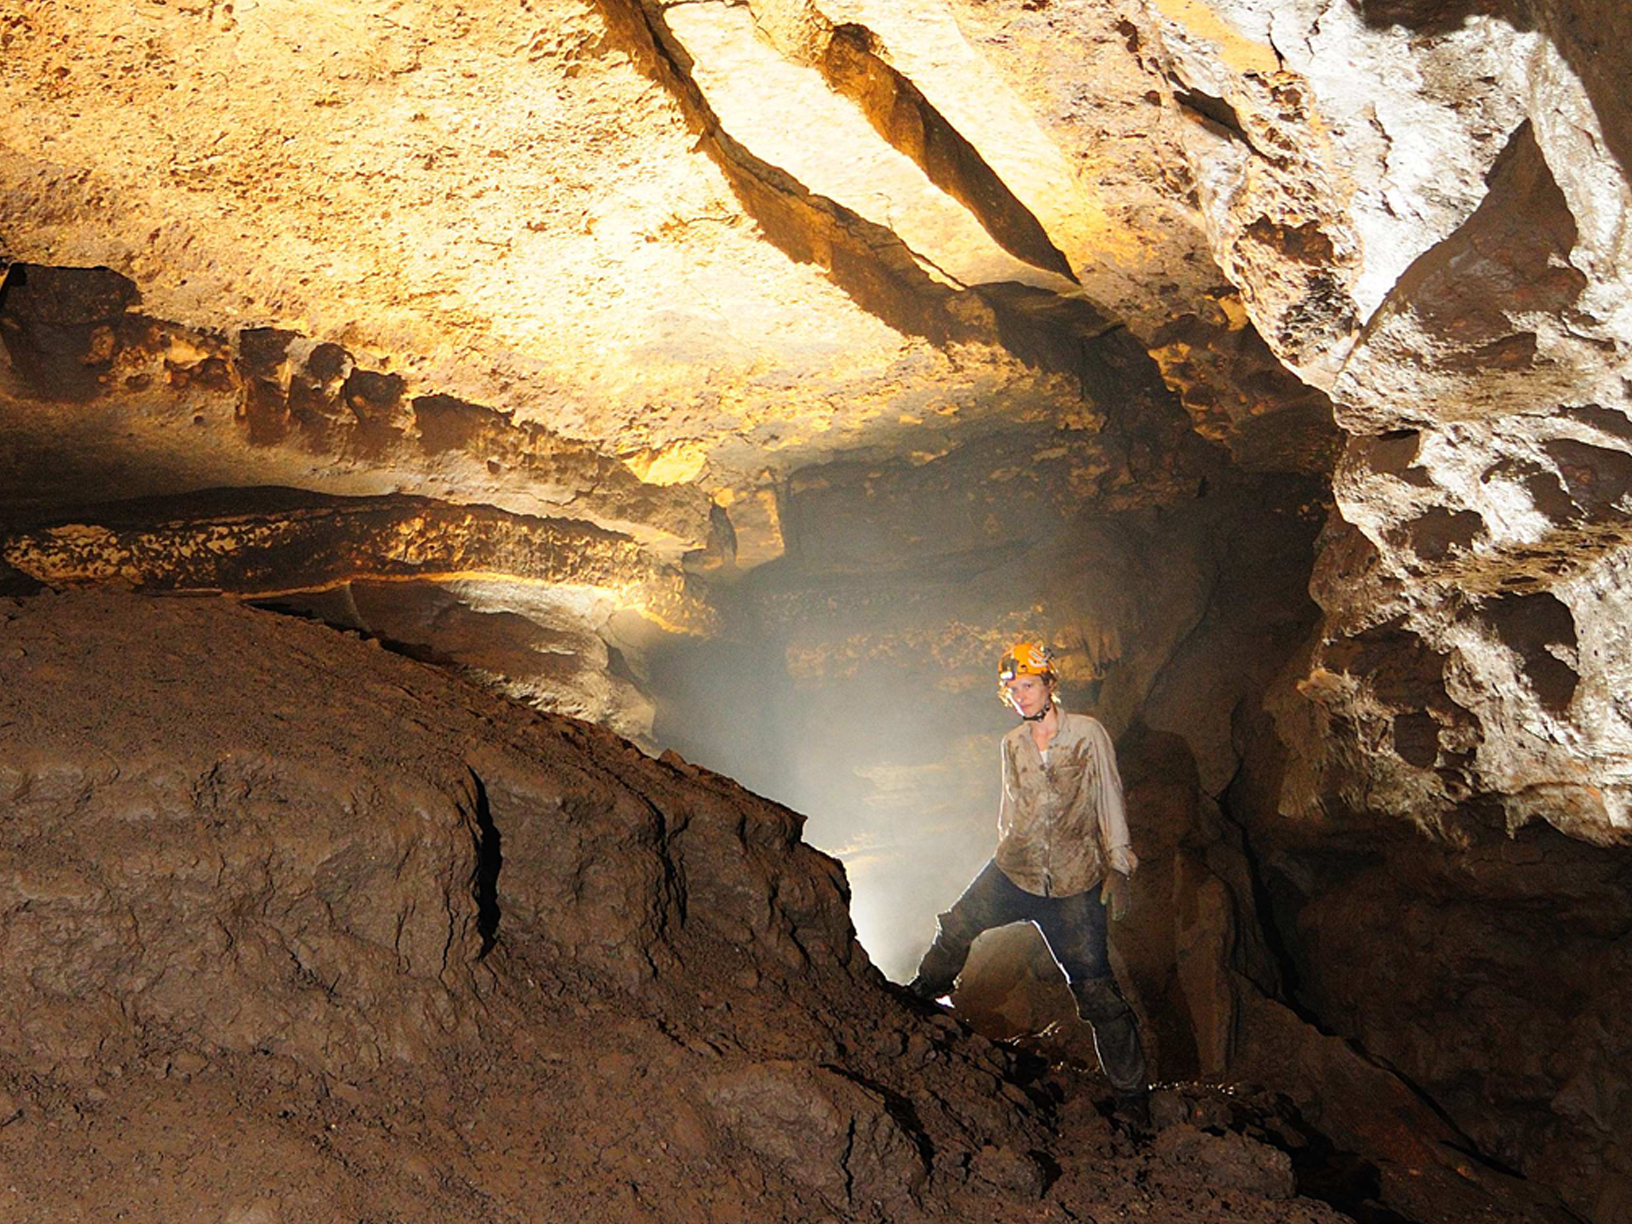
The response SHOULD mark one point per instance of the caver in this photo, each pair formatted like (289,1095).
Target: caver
(1062,862)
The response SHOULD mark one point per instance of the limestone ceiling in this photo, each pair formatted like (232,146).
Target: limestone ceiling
(708,240)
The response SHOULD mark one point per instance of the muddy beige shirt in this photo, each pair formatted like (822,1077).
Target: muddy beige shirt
(1060,824)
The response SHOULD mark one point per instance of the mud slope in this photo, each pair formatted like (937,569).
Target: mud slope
(294,929)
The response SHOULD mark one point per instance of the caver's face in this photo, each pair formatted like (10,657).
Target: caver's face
(1029,694)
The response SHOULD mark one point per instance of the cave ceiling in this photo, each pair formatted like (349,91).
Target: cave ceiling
(439,279)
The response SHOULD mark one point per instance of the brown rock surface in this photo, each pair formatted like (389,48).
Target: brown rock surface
(1229,1160)
(293,927)
(1510,1023)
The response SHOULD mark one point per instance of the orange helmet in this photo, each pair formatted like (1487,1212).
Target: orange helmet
(1024,658)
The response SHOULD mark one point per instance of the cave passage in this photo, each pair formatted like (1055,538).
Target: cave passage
(489,490)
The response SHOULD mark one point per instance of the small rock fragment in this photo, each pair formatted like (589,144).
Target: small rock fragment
(1229,1160)
(1020,1174)
(1167,1108)
(259,1212)
(187,1064)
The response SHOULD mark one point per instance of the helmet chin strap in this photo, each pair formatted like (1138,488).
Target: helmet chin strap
(1040,715)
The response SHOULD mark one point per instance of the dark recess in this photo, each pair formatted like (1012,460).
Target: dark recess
(489,859)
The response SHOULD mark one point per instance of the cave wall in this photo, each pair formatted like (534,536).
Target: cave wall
(1477,369)
(1445,254)
(1501,996)
(741,375)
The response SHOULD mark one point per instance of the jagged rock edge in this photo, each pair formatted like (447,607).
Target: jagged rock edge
(944,154)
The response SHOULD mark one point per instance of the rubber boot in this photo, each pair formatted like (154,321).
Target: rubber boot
(927,990)
(1116,1035)
(938,970)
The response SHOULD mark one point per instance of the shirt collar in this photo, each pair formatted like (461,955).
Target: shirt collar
(1022,733)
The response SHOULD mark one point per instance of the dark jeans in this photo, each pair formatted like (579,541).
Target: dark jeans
(1074,929)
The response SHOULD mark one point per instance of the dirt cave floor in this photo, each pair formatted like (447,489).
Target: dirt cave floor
(293,929)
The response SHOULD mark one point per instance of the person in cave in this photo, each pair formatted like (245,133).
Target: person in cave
(1062,862)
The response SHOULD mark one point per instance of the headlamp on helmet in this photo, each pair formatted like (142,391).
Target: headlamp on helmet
(1026,659)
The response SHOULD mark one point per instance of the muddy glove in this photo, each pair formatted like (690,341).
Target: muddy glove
(1114,895)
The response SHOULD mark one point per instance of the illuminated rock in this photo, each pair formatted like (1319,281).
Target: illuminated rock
(705,369)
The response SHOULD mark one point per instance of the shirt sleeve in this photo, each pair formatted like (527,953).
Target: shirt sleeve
(1005,802)
(1113,812)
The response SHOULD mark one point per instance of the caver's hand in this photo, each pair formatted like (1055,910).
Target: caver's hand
(1115,896)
